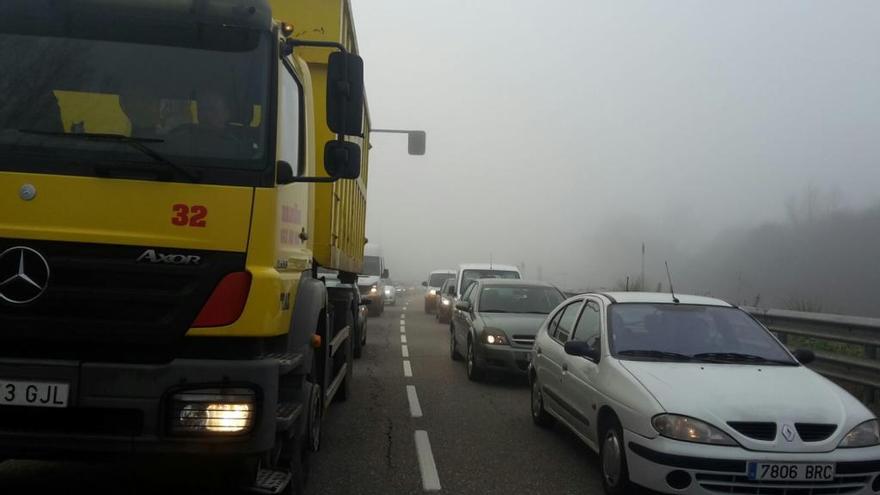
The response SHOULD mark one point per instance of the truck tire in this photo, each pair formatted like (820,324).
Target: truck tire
(314,415)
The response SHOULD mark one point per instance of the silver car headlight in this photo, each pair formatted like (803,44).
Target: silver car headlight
(866,434)
(494,336)
(690,430)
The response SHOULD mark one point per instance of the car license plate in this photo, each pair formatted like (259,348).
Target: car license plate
(34,394)
(790,471)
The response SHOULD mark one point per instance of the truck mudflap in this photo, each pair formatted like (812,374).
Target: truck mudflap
(124,408)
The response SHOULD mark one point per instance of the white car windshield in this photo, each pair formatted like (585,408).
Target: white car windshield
(682,332)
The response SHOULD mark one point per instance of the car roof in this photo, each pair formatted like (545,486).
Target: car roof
(662,297)
(514,281)
(444,270)
(487,266)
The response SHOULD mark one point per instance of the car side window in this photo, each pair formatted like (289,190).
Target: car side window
(589,326)
(566,323)
(472,294)
(467,292)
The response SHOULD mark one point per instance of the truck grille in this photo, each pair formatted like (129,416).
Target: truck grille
(100,298)
(754,429)
(814,432)
(724,483)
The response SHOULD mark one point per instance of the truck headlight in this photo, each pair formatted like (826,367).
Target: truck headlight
(444,301)
(210,411)
(432,292)
(388,290)
(374,289)
(689,430)
(866,434)
(494,336)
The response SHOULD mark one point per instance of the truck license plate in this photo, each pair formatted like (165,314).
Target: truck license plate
(34,394)
(784,471)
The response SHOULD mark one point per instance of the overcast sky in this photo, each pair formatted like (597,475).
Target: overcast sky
(555,126)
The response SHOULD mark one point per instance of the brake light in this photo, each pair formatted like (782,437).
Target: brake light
(226,302)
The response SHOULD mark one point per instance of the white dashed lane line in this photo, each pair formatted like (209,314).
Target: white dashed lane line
(430,478)
(404,351)
(415,409)
(407,368)
(402,328)
(402,338)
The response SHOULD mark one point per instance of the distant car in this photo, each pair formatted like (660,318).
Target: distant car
(447,296)
(389,294)
(495,322)
(694,396)
(432,287)
(371,281)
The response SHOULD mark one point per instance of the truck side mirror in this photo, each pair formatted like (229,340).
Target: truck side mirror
(386,273)
(345,94)
(342,160)
(416,142)
(424,284)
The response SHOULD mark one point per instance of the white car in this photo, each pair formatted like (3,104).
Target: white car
(694,396)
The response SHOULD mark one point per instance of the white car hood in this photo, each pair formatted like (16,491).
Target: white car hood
(718,393)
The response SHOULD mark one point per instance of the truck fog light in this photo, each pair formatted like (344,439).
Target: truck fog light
(213,411)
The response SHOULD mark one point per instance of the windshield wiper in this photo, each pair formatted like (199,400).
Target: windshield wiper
(133,141)
(738,357)
(650,353)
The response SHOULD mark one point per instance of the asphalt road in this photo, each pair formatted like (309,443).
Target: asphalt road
(474,437)
(481,435)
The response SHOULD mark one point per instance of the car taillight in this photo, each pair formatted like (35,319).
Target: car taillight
(226,302)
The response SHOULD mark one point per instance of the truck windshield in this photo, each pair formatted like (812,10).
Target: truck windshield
(196,107)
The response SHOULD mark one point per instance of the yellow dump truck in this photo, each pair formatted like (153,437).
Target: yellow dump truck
(172,176)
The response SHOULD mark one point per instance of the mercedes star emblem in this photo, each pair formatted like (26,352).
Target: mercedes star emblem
(24,275)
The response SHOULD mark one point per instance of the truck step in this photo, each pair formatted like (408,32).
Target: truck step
(287,362)
(286,415)
(270,482)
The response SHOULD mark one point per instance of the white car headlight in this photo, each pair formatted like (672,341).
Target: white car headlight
(433,292)
(866,434)
(689,430)
(494,336)
(444,301)
(373,289)
(388,290)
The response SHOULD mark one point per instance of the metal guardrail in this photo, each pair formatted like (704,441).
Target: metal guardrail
(861,332)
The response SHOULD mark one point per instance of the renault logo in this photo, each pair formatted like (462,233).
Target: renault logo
(788,432)
(24,275)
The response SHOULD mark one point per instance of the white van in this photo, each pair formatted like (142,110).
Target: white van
(469,272)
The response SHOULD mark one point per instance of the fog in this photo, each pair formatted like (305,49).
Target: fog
(564,134)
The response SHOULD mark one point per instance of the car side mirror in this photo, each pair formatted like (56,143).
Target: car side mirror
(386,273)
(804,356)
(463,306)
(345,94)
(582,349)
(424,284)
(365,301)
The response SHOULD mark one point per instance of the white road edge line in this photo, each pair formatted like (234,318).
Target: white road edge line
(403,338)
(430,478)
(404,350)
(407,368)
(415,409)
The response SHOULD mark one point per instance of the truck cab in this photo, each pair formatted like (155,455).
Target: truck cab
(163,214)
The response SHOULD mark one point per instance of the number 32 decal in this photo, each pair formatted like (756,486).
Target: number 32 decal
(193,216)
